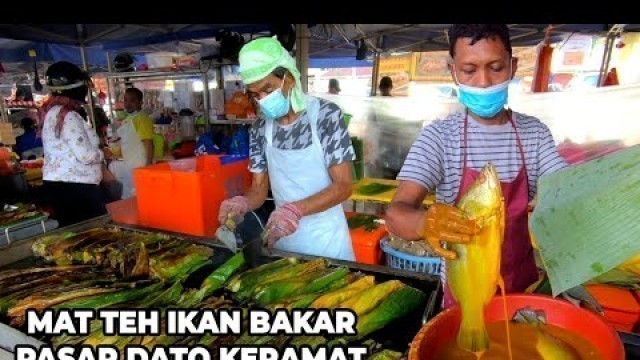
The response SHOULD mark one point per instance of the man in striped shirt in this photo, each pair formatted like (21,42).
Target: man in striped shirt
(448,154)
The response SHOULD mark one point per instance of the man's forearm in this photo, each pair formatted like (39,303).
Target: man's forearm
(331,196)
(257,193)
(256,198)
(405,221)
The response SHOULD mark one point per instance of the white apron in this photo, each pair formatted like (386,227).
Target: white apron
(133,156)
(299,174)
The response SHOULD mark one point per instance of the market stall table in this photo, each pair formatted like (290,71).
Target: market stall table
(382,198)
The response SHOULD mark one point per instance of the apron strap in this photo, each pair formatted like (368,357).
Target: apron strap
(520,149)
(268,132)
(313,112)
(464,148)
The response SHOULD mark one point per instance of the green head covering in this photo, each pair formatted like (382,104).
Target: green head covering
(261,56)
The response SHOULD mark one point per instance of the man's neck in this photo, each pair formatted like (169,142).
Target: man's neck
(500,118)
(289,118)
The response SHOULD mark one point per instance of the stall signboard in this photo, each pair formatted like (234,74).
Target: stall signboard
(398,68)
(576,50)
(430,66)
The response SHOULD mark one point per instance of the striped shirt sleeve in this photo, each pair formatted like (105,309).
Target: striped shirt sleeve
(424,164)
(549,160)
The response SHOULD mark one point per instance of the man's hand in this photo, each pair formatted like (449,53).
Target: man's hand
(283,221)
(532,204)
(446,223)
(232,211)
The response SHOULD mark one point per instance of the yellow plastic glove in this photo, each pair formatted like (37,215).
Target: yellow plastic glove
(446,223)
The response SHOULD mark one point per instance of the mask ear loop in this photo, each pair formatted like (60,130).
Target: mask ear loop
(290,90)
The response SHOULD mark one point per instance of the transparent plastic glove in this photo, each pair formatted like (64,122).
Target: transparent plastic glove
(446,223)
(232,211)
(283,221)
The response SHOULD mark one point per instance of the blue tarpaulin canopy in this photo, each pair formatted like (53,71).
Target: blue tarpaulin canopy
(330,45)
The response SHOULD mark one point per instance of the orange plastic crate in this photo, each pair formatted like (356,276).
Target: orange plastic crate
(184,196)
(366,245)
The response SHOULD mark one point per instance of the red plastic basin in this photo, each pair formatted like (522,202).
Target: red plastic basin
(444,327)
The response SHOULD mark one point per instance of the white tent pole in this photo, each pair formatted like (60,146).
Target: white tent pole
(374,73)
(112,101)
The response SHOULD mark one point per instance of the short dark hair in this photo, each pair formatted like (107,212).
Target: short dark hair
(27,123)
(478,32)
(135,91)
(24,90)
(279,72)
(385,82)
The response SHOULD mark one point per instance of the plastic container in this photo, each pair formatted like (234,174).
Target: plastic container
(399,260)
(188,201)
(124,211)
(444,327)
(366,244)
(621,308)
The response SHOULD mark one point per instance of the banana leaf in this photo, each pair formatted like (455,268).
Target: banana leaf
(400,303)
(367,300)
(617,278)
(386,354)
(324,281)
(30,281)
(249,278)
(104,300)
(166,298)
(177,265)
(221,275)
(274,291)
(18,311)
(312,341)
(586,220)
(16,276)
(374,188)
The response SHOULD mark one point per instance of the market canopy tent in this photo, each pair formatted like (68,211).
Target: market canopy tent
(344,40)
(325,40)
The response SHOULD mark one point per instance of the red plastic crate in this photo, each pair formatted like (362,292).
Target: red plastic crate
(184,196)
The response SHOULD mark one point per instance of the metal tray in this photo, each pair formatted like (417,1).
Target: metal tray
(397,335)
(36,220)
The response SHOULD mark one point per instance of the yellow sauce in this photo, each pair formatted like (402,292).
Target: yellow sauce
(524,343)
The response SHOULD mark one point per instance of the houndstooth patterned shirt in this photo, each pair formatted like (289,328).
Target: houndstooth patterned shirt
(332,132)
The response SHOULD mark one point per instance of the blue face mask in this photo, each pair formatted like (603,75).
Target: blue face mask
(275,105)
(484,102)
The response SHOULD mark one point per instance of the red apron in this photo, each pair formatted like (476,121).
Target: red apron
(518,266)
